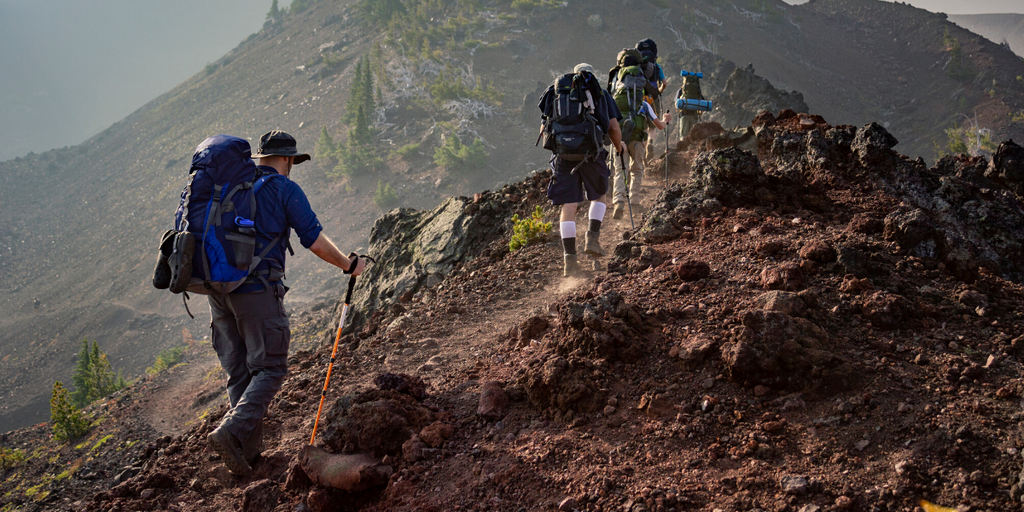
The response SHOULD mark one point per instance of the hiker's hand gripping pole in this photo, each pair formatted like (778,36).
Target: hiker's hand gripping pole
(334,352)
(625,179)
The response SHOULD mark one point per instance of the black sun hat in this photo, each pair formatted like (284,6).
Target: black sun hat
(279,143)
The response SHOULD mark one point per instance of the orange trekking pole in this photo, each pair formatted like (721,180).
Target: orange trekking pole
(334,352)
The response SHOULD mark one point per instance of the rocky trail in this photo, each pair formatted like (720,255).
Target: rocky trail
(818,324)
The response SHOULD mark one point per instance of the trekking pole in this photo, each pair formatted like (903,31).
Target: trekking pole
(334,352)
(625,179)
(668,134)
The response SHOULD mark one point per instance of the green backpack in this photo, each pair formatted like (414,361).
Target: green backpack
(691,88)
(629,97)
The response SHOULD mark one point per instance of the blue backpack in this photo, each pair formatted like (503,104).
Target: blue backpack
(218,209)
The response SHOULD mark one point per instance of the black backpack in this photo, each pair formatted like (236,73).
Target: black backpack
(648,45)
(650,71)
(571,129)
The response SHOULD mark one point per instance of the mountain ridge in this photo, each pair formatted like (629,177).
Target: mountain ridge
(82,221)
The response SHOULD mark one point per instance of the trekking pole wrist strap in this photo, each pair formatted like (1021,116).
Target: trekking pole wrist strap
(353,260)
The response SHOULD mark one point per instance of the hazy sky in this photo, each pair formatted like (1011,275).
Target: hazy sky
(71,68)
(961,6)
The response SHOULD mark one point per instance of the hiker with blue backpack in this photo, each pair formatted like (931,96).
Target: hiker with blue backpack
(691,102)
(232,229)
(578,118)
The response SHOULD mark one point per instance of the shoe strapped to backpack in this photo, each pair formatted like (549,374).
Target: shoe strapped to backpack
(180,261)
(162,272)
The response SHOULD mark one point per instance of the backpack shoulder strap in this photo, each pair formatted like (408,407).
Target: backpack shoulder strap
(260,181)
(612,73)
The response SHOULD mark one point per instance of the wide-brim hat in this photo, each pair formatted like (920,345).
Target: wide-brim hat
(279,143)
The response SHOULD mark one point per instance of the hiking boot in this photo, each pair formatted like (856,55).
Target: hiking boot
(180,261)
(253,447)
(618,211)
(230,450)
(162,272)
(572,267)
(593,244)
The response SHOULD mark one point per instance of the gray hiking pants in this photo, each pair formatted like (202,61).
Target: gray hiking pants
(685,123)
(250,336)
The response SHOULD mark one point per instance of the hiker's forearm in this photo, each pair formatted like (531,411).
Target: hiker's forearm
(325,249)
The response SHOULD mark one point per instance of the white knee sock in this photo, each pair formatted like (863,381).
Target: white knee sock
(597,210)
(568,229)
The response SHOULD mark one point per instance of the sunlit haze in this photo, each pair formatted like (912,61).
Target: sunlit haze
(71,69)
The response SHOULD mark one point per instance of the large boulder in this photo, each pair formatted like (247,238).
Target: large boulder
(418,248)
(915,232)
(1007,167)
(374,422)
(776,350)
(873,145)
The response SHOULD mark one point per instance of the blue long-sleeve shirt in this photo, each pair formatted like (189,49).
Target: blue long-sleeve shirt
(281,206)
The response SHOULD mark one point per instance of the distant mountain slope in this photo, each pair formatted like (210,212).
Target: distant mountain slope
(995,27)
(79,224)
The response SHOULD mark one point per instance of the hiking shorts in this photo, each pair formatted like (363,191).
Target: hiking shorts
(587,182)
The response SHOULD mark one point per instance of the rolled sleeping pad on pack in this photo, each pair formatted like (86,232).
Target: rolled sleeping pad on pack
(698,105)
(691,73)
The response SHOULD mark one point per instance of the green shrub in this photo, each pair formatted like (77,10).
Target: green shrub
(298,6)
(408,151)
(449,86)
(333,60)
(380,12)
(966,140)
(385,196)
(93,376)
(455,156)
(167,359)
(529,230)
(68,422)
(957,67)
(529,5)
(955,143)
(11,457)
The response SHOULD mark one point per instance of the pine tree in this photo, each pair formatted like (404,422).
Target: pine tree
(93,375)
(361,133)
(68,422)
(355,94)
(82,376)
(275,13)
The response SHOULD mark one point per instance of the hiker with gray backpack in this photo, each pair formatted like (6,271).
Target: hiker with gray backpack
(627,84)
(232,230)
(578,118)
(656,82)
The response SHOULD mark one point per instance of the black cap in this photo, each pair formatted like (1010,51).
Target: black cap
(279,143)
